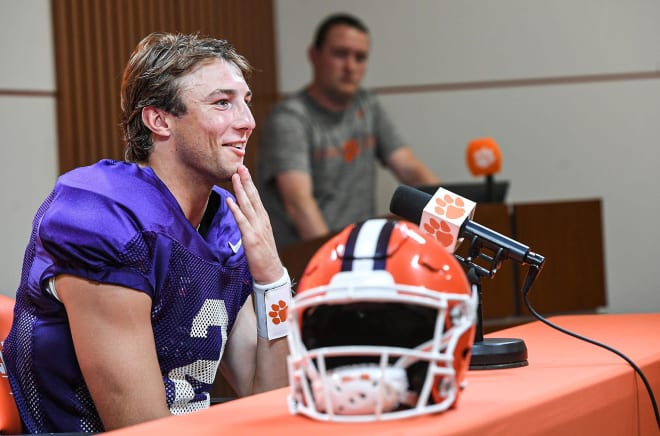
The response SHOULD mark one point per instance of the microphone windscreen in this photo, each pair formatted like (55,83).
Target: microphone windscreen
(409,203)
(484,157)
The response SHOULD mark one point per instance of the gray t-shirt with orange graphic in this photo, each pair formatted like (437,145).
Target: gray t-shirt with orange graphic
(338,149)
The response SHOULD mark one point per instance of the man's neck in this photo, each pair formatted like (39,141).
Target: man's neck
(191,195)
(329,101)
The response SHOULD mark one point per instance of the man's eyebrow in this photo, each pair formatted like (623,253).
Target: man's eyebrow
(229,92)
(222,91)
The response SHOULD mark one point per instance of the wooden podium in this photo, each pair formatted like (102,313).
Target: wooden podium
(570,236)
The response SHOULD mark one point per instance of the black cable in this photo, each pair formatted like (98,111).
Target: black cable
(526,287)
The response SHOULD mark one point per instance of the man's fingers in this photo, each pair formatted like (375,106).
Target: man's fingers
(236,211)
(244,200)
(251,191)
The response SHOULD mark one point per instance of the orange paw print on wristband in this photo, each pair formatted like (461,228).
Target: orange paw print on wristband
(450,207)
(440,231)
(278,311)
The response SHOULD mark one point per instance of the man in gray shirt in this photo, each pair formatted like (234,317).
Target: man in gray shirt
(319,147)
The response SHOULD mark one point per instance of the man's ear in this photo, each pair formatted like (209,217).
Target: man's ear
(155,119)
(312,54)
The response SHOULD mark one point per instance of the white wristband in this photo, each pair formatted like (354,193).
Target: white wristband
(272,302)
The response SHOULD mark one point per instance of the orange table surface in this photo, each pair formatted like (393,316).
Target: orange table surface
(570,387)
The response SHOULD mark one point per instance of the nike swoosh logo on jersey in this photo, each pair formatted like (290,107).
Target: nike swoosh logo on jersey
(235,247)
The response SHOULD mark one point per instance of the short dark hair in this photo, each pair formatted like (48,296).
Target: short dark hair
(151,78)
(336,20)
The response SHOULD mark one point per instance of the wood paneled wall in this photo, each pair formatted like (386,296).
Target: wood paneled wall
(93,40)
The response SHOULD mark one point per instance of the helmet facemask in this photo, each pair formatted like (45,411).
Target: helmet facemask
(365,349)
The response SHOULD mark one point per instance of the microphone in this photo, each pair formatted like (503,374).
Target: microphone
(484,158)
(448,218)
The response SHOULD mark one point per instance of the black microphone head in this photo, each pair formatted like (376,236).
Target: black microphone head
(409,203)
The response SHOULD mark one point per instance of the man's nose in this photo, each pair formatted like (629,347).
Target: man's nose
(245,119)
(352,63)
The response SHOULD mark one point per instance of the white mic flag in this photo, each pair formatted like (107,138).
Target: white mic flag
(443,216)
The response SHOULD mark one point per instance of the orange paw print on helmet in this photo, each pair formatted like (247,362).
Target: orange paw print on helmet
(441,231)
(450,207)
(278,312)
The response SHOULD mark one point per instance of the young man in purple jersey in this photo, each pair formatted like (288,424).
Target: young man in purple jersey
(141,278)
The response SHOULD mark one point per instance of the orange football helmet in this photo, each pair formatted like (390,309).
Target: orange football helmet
(381,326)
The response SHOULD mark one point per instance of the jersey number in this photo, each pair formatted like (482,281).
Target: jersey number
(212,314)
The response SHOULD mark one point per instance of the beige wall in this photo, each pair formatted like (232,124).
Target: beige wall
(27,127)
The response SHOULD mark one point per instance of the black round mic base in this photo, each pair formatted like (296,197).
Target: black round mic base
(498,353)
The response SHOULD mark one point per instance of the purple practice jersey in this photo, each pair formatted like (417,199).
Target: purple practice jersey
(117,223)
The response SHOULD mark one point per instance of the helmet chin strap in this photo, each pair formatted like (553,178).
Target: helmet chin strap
(362,389)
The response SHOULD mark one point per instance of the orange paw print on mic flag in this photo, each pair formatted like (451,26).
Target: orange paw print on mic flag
(450,207)
(441,231)
(351,150)
(278,312)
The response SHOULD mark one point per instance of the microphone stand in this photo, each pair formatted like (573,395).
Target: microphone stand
(490,188)
(489,353)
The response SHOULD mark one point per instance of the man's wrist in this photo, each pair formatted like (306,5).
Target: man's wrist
(283,280)
(272,301)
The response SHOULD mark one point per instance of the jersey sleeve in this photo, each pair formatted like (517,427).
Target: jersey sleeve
(93,237)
